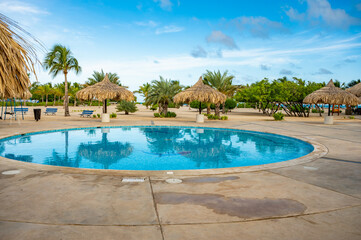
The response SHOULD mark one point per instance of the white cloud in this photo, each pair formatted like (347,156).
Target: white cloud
(322,71)
(20,8)
(286,72)
(220,37)
(165,4)
(258,26)
(169,29)
(199,52)
(148,23)
(321,10)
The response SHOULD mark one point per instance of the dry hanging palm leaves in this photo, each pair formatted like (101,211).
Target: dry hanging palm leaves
(331,95)
(200,92)
(17,58)
(355,90)
(105,90)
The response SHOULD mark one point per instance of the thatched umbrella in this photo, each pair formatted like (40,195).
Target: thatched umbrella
(202,93)
(331,95)
(17,58)
(105,90)
(355,90)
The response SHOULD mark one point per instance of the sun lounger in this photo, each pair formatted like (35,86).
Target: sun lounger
(51,111)
(86,113)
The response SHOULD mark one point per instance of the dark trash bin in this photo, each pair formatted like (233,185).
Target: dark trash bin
(37,114)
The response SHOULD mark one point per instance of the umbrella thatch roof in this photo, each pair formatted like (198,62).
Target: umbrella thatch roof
(355,90)
(105,90)
(200,92)
(331,95)
(17,58)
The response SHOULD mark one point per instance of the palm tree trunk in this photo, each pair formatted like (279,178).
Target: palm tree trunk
(216,110)
(165,109)
(66,100)
(42,98)
(74,101)
(54,100)
(224,108)
(46,97)
(208,108)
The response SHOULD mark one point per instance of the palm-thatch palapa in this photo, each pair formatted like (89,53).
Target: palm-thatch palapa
(103,91)
(355,90)
(17,58)
(331,95)
(202,93)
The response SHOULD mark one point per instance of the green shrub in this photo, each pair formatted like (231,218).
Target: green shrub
(98,115)
(113,115)
(127,107)
(195,104)
(278,116)
(94,116)
(317,111)
(156,115)
(154,107)
(224,118)
(169,115)
(351,117)
(230,103)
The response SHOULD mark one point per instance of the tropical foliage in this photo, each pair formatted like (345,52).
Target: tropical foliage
(99,76)
(61,59)
(144,90)
(162,92)
(127,107)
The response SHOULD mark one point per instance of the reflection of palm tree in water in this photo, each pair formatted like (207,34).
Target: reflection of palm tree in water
(63,160)
(105,152)
(211,149)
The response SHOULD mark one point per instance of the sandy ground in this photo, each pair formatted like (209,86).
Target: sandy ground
(315,199)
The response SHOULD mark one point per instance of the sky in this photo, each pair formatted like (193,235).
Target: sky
(140,40)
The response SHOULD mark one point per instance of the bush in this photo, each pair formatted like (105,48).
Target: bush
(224,118)
(195,104)
(98,115)
(127,107)
(278,116)
(154,107)
(351,117)
(113,115)
(317,111)
(230,103)
(94,116)
(169,115)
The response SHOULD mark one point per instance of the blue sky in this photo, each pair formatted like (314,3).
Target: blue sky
(314,40)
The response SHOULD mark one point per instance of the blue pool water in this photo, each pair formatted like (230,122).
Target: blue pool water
(152,148)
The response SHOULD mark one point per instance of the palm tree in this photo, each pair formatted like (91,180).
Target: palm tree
(144,90)
(44,90)
(162,92)
(60,59)
(222,83)
(99,76)
(73,90)
(58,91)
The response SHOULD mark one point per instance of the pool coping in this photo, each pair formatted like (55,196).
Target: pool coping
(319,151)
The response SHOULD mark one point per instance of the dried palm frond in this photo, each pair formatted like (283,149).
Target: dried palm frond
(200,92)
(355,90)
(17,58)
(331,95)
(105,90)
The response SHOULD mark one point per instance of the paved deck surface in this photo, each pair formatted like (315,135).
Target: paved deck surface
(320,199)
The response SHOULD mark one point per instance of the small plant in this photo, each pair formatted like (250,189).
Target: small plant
(98,115)
(351,117)
(154,107)
(317,111)
(156,115)
(113,115)
(127,107)
(278,116)
(224,118)
(169,115)
(94,116)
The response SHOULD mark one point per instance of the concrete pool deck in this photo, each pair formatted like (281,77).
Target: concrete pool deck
(318,199)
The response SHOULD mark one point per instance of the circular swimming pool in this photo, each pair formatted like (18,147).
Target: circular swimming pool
(152,148)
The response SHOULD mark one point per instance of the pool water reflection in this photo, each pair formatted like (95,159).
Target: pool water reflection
(153,148)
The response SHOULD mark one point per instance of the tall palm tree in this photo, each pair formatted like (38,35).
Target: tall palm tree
(73,90)
(144,90)
(162,92)
(58,91)
(99,76)
(44,90)
(221,82)
(61,59)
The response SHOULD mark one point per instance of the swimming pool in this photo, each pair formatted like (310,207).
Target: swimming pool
(152,148)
